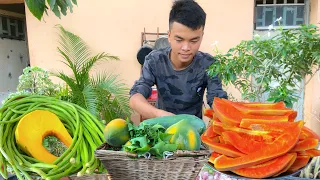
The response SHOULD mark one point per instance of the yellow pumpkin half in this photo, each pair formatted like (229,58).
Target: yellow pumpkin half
(34,127)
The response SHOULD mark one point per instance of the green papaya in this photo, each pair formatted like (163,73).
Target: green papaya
(184,136)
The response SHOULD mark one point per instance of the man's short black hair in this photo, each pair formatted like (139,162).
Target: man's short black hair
(188,13)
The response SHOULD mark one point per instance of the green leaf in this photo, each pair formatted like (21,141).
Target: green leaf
(70,5)
(269,59)
(36,7)
(139,141)
(170,147)
(136,149)
(63,6)
(159,148)
(157,128)
(149,138)
(104,94)
(90,100)
(56,11)
(271,99)
(289,104)
(52,3)
(111,85)
(165,136)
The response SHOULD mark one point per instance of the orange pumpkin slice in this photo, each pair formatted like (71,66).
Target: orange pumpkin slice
(292,116)
(209,132)
(305,144)
(226,113)
(221,140)
(253,134)
(279,147)
(301,153)
(225,149)
(208,113)
(299,163)
(246,123)
(213,156)
(215,118)
(293,159)
(308,133)
(313,152)
(260,111)
(245,145)
(217,127)
(263,105)
(274,126)
(229,115)
(266,169)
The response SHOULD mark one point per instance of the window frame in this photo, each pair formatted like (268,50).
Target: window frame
(306,16)
(9,24)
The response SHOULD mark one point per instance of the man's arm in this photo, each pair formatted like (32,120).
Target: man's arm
(141,90)
(214,89)
(139,103)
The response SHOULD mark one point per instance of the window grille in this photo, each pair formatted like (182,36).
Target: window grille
(12,28)
(292,13)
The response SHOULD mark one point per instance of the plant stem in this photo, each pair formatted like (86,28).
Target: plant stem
(290,76)
(260,85)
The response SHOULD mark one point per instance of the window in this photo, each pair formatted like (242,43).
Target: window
(12,28)
(292,13)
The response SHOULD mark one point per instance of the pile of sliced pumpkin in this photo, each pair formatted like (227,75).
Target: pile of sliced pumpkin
(258,140)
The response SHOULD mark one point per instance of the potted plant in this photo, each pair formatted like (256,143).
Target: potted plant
(103,94)
(270,69)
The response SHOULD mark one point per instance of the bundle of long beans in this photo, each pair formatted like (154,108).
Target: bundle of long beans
(85,129)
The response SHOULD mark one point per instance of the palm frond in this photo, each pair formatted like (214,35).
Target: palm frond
(75,53)
(107,111)
(73,47)
(91,102)
(68,62)
(77,56)
(105,94)
(93,61)
(76,92)
(122,106)
(115,92)
(68,80)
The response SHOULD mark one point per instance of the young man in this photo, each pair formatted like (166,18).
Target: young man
(179,72)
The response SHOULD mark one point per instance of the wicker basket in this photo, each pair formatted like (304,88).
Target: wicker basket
(122,165)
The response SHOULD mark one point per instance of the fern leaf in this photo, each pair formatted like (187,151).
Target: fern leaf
(91,102)
(115,91)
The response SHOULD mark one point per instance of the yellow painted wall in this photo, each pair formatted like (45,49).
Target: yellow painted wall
(115,27)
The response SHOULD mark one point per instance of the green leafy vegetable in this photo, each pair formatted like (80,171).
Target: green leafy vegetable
(149,138)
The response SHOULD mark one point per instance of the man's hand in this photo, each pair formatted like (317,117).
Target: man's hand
(139,103)
(161,113)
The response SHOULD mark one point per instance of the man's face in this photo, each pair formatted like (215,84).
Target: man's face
(184,42)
